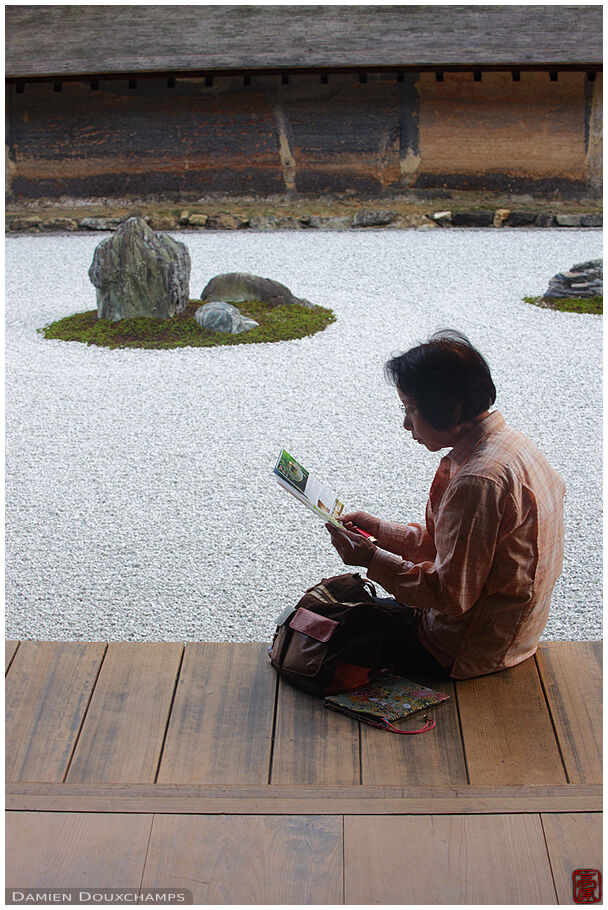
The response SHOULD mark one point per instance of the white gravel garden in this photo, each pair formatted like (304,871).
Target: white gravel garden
(140,502)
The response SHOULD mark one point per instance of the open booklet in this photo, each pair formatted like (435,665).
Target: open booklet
(294,478)
(308,490)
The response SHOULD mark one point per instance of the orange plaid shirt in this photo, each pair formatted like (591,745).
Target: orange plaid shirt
(484,567)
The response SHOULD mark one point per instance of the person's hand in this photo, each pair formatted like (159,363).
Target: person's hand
(353,549)
(362,520)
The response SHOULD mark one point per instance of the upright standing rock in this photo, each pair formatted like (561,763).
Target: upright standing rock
(140,273)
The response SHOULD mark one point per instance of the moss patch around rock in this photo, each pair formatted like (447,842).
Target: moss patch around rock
(594,305)
(281,323)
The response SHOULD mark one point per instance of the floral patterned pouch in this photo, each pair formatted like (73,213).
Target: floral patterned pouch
(387,699)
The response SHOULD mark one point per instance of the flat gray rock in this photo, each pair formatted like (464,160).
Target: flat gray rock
(584,279)
(238,287)
(139,273)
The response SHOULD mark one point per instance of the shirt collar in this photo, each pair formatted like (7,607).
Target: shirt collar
(464,447)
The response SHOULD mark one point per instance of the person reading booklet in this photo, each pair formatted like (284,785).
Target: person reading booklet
(475,578)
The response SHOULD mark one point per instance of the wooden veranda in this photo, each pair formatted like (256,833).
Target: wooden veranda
(191,766)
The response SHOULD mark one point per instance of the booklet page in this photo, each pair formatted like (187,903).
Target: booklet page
(292,476)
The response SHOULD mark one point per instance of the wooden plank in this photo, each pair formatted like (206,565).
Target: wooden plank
(59,850)
(572,676)
(507,731)
(97,39)
(313,745)
(431,758)
(251,860)
(573,842)
(123,732)
(473,859)
(221,723)
(10,647)
(207,800)
(47,694)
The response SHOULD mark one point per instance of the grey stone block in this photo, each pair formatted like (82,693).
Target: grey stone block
(473,219)
(568,220)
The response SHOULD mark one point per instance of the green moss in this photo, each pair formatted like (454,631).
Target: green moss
(594,305)
(275,324)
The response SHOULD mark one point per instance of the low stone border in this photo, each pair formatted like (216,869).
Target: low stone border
(226,221)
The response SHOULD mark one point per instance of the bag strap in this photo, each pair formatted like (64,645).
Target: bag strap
(430,724)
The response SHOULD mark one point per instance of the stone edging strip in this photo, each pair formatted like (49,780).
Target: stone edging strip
(363,219)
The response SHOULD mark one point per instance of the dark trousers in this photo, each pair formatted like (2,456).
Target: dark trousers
(404,654)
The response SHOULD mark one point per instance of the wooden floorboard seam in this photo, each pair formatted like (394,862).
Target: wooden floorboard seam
(551,869)
(84,714)
(552,719)
(13,655)
(143,868)
(343,862)
(462,738)
(168,718)
(273,732)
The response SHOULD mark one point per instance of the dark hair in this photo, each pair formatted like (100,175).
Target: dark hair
(443,374)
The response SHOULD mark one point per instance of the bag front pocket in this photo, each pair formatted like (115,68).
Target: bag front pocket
(309,643)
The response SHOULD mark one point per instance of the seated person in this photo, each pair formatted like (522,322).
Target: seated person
(476,580)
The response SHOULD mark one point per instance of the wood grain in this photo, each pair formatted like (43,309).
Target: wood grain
(221,723)
(573,842)
(98,39)
(57,850)
(473,859)
(123,732)
(47,694)
(248,860)
(433,758)
(9,652)
(507,732)
(313,745)
(206,800)
(572,676)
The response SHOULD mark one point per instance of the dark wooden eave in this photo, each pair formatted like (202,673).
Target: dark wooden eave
(64,41)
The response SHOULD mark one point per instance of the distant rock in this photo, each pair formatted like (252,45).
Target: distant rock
(373,219)
(277,222)
(545,219)
(443,219)
(568,220)
(140,273)
(522,219)
(592,220)
(473,219)
(99,224)
(160,222)
(583,280)
(225,221)
(238,287)
(219,316)
(500,216)
(27,223)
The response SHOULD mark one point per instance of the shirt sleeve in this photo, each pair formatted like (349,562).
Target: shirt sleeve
(411,541)
(467,528)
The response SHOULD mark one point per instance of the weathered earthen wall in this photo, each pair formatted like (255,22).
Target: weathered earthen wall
(307,135)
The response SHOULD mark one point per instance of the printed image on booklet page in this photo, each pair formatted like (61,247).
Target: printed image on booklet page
(294,478)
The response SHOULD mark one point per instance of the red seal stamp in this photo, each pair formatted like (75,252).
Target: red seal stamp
(587,886)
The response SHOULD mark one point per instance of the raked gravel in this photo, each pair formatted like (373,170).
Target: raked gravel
(139,497)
